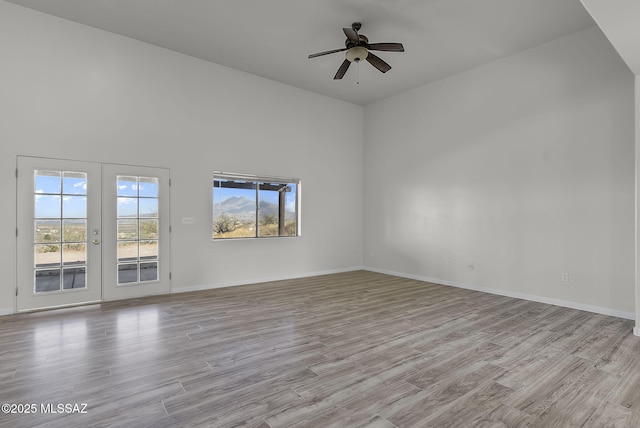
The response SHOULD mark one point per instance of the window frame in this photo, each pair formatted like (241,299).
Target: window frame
(258,181)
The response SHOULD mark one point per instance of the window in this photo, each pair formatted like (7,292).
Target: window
(247,206)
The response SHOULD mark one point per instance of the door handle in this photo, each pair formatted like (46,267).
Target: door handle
(96,240)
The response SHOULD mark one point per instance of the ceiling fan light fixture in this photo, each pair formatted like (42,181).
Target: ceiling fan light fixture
(357,54)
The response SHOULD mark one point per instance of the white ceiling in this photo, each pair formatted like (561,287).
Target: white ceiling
(272,38)
(619,20)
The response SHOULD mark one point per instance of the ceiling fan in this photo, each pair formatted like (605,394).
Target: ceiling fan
(358,48)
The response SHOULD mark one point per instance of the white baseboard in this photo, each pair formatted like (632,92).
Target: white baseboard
(636,331)
(6,311)
(533,298)
(262,280)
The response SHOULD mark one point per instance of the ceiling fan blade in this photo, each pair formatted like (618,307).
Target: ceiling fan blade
(351,35)
(389,47)
(378,63)
(342,70)
(326,52)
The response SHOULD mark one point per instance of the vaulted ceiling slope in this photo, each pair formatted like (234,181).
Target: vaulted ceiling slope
(620,22)
(273,38)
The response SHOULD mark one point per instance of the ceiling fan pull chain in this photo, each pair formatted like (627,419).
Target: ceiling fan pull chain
(358,73)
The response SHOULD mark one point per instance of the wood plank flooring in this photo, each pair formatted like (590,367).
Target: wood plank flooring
(357,349)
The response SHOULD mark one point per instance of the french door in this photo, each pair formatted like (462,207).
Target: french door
(88,232)
(135,223)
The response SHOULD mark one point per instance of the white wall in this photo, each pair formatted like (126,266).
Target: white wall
(74,92)
(618,19)
(523,168)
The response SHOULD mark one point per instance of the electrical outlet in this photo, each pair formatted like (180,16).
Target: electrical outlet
(564,277)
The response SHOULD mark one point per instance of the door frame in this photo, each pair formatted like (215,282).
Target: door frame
(131,291)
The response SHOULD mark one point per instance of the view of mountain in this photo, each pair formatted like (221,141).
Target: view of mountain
(236,206)
(244,208)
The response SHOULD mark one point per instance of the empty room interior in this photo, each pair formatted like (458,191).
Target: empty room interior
(344,213)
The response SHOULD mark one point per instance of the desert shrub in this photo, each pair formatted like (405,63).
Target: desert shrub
(268,219)
(225,223)
(290,228)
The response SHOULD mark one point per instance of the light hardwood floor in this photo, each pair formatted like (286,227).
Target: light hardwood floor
(357,349)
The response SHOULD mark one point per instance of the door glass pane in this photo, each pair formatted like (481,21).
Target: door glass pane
(47,206)
(148,187)
(74,230)
(148,250)
(127,251)
(47,280)
(60,230)
(149,271)
(128,273)
(47,255)
(137,231)
(74,278)
(149,207)
(74,254)
(47,182)
(127,207)
(149,229)
(128,229)
(74,183)
(47,231)
(74,206)
(127,186)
